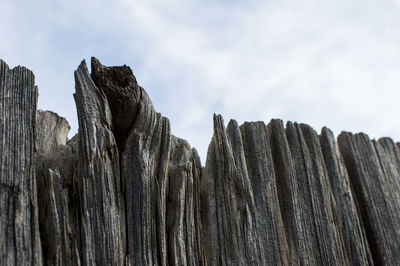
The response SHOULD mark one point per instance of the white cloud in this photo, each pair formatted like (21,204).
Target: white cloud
(333,63)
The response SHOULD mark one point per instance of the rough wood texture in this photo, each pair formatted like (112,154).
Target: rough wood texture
(159,175)
(350,223)
(125,191)
(19,224)
(269,200)
(98,179)
(374,174)
(243,224)
(56,171)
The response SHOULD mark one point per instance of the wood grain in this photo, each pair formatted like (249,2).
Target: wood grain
(126,191)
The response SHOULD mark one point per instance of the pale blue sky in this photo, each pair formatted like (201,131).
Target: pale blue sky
(325,63)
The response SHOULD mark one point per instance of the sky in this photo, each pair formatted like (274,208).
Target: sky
(333,63)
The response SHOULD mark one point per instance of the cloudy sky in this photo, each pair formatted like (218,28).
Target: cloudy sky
(332,63)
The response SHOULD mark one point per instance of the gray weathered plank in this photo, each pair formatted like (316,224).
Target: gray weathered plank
(56,172)
(374,180)
(99,182)
(350,223)
(242,223)
(19,224)
(125,191)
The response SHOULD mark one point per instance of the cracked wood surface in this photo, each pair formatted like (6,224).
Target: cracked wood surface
(125,191)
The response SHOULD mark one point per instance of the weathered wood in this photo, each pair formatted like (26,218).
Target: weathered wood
(159,174)
(56,171)
(183,206)
(374,176)
(318,195)
(19,224)
(350,223)
(242,222)
(125,191)
(98,179)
